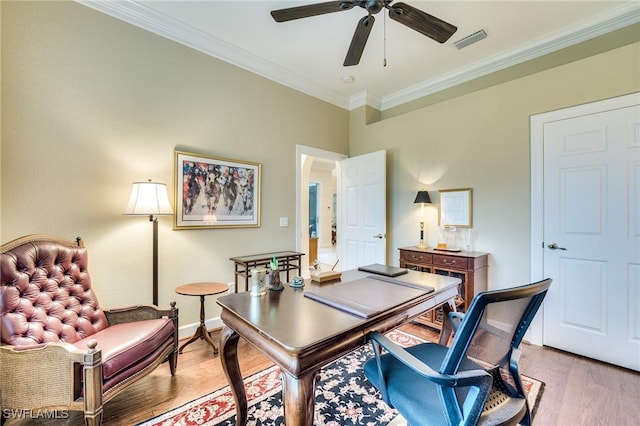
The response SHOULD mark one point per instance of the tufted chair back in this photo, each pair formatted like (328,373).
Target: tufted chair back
(46,295)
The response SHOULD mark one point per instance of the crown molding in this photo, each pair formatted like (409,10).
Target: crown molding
(621,17)
(148,19)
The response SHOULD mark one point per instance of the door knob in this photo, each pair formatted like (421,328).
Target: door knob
(554,246)
(381,236)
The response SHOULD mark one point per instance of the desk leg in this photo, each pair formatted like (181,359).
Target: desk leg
(445,332)
(299,399)
(229,358)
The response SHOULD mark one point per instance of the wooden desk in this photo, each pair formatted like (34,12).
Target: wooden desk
(301,335)
(202,290)
(287,261)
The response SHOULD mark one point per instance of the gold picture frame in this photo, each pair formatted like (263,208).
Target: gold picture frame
(214,192)
(455,209)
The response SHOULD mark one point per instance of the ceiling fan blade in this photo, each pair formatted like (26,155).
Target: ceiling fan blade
(422,22)
(359,40)
(291,13)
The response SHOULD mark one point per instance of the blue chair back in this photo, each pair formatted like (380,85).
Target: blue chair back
(494,324)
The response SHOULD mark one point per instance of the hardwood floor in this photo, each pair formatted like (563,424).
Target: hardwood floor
(578,391)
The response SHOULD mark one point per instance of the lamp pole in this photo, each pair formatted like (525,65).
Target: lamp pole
(155,258)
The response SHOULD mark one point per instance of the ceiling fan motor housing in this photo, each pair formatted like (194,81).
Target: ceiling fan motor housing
(374,7)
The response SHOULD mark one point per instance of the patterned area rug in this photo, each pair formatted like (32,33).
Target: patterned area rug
(344,397)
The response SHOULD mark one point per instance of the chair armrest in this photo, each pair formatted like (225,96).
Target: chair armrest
(462,378)
(139,313)
(28,368)
(455,319)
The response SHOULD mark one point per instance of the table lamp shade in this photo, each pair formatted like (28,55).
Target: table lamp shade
(422,197)
(148,198)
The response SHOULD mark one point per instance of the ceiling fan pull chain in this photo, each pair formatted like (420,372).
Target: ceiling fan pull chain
(384,42)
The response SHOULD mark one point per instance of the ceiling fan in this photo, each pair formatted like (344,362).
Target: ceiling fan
(413,18)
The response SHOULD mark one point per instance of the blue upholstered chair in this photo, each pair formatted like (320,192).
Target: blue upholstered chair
(473,381)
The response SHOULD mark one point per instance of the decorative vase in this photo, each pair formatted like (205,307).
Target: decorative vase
(442,238)
(274,280)
(258,284)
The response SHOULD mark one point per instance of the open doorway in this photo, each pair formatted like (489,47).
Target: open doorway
(317,183)
(322,214)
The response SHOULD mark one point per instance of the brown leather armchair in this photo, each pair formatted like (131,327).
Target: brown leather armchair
(60,350)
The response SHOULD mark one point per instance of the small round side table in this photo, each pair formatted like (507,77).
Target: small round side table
(202,290)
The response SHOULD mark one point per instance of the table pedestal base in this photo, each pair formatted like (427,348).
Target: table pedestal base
(201,332)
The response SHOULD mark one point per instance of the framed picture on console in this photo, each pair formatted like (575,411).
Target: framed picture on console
(455,208)
(213,192)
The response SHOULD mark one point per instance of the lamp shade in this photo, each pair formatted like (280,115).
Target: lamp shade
(148,198)
(422,197)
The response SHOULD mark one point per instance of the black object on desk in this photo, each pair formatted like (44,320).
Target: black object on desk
(386,270)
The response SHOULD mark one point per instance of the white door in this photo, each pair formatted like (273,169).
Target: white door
(362,210)
(592,235)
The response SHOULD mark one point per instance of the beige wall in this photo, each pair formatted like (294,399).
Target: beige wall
(91,104)
(481,140)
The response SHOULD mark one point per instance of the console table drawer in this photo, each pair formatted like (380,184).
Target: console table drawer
(416,257)
(450,261)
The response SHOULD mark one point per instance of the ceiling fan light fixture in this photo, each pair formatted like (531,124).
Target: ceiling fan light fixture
(470,39)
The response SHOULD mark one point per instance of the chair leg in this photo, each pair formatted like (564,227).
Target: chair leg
(92,372)
(94,420)
(173,361)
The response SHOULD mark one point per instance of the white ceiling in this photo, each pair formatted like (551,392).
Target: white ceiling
(307,54)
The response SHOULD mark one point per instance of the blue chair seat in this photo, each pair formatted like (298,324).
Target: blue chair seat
(407,390)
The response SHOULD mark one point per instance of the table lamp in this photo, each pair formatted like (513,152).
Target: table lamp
(150,199)
(422,198)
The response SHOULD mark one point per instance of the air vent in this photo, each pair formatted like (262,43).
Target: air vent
(470,39)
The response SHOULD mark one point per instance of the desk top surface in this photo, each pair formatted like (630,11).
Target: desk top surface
(296,322)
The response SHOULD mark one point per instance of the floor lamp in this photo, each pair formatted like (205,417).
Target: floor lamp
(422,198)
(150,199)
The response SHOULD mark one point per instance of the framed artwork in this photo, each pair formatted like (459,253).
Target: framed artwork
(214,192)
(455,208)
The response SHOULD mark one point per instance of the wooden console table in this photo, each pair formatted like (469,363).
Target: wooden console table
(470,266)
(287,261)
